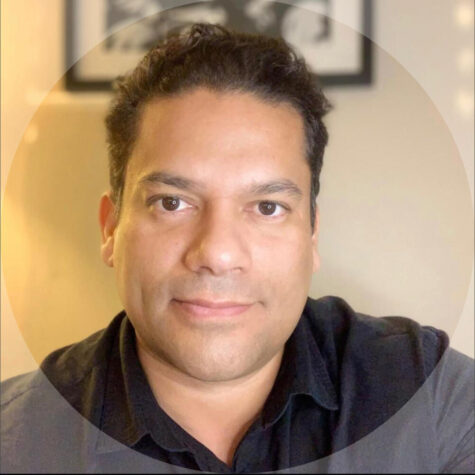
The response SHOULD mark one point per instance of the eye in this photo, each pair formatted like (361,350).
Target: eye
(271,208)
(170,203)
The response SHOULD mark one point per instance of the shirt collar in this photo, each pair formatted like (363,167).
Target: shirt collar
(303,371)
(130,410)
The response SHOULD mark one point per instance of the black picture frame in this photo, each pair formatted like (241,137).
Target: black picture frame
(75,80)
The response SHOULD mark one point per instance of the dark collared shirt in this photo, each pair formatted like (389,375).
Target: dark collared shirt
(344,378)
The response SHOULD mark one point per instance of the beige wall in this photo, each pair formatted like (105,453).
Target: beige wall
(396,203)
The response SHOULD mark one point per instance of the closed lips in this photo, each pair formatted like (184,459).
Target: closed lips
(213,304)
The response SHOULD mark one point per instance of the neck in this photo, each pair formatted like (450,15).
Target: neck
(217,414)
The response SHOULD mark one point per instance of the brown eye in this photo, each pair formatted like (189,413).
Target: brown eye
(267,208)
(170,203)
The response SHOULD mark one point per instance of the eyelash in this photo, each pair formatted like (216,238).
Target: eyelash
(285,209)
(158,198)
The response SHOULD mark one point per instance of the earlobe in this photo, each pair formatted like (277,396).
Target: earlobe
(108,223)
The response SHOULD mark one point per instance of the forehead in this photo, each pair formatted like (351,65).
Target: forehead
(220,137)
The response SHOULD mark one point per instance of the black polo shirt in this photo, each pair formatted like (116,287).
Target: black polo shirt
(344,377)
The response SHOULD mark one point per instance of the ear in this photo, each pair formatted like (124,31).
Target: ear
(316,255)
(108,223)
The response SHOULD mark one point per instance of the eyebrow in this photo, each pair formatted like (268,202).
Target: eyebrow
(171,180)
(276,186)
(270,187)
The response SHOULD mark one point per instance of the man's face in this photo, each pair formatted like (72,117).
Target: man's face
(214,251)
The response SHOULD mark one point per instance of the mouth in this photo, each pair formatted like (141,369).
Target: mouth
(209,308)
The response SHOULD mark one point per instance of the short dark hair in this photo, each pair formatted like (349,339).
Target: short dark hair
(212,56)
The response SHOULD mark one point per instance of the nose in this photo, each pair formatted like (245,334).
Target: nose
(218,246)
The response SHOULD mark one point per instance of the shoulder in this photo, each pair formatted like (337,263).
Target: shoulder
(378,364)
(349,337)
(339,317)
(63,368)
(65,371)
(21,397)
(40,430)
(35,423)
(69,365)
(42,411)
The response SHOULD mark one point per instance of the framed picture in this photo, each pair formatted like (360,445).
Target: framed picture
(106,38)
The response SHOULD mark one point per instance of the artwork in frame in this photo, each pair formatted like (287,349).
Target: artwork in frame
(106,38)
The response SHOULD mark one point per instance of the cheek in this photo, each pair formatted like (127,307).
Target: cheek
(286,263)
(145,256)
(292,246)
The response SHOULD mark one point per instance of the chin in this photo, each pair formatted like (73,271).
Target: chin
(215,375)
(225,364)
(216,372)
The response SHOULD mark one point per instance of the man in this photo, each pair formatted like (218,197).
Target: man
(219,361)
